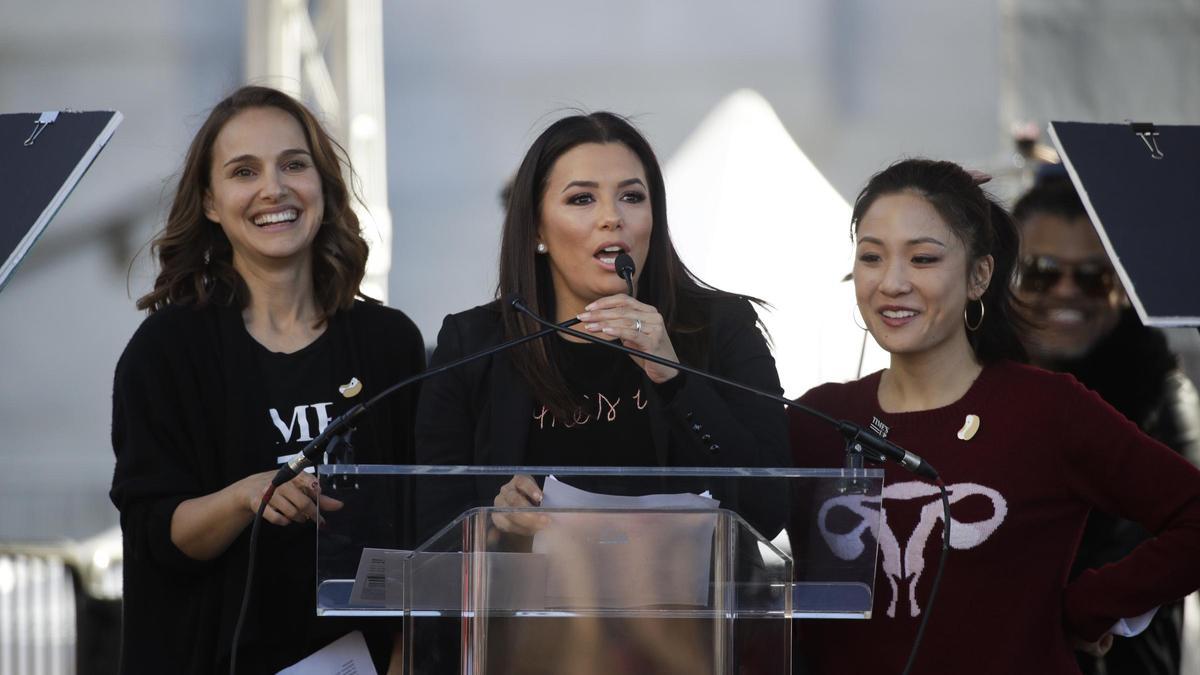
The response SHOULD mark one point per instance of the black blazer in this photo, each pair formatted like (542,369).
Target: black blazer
(481,413)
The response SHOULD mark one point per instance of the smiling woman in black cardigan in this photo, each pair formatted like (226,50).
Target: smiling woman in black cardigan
(256,339)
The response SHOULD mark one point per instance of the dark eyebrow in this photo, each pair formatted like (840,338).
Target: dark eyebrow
(910,242)
(925,240)
(581,183)
(241,158)
(286,153)
(595,186)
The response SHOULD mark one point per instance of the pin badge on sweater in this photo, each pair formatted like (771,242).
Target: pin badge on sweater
(969,428)
(351,388)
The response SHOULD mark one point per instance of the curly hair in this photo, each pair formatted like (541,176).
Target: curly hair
(194,255)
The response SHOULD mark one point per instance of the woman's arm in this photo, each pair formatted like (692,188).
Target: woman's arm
(169,512)
(203,527)
(724,426)
(1119,470)
(728,426)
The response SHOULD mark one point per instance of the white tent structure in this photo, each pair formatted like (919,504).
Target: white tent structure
(751,214)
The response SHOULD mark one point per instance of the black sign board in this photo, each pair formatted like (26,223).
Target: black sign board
(42,157)
(1140,184)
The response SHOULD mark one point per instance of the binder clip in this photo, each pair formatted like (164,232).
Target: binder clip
(1149,136)
(46,119)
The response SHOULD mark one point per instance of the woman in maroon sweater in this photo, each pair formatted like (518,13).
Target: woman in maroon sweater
(1024,453)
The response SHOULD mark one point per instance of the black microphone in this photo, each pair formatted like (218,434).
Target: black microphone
(870,444)
(877,448)
(625,269)
(337,433)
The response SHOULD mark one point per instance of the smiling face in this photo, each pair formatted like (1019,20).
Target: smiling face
(1068,287)
(265,190)
(911,276)
(595,205)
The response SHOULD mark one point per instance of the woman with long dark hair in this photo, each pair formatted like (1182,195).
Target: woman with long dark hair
(1025,454)
(590,188)
(258,336)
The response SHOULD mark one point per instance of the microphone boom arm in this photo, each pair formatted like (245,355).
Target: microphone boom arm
(873,446)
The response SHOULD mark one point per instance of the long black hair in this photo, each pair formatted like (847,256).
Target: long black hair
(663,282)
(984,228)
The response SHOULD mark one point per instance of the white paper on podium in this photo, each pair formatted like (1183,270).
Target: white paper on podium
(558,495)
(379,581)
(347,655)
(644,558)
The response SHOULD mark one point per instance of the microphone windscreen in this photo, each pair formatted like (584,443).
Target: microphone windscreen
(624,265)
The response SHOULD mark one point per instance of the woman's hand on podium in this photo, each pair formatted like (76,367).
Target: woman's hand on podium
(520,492)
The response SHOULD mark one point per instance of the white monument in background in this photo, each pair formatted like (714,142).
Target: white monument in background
(750,214)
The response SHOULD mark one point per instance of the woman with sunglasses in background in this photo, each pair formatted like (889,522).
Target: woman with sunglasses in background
(1024,454)
(1081,322)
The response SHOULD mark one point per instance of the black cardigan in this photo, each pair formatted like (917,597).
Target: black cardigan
(480,413)
(181,412)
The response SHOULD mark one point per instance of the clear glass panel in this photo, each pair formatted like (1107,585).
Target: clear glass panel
(645,577)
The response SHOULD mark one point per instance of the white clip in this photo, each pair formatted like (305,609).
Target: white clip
(46,119)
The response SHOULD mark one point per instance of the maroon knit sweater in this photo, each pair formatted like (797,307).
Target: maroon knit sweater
(1047,451)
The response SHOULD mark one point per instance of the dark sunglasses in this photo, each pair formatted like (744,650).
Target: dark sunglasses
(1040,273)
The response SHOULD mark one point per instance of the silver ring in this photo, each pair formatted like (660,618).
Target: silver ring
(637,325)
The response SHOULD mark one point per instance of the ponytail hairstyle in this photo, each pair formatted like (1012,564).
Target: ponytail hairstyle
(984,228)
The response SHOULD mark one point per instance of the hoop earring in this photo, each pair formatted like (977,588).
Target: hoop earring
(854,316)
(967,319)
(541,247)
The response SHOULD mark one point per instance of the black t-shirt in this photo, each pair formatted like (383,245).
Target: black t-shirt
(302,391)
(611,427)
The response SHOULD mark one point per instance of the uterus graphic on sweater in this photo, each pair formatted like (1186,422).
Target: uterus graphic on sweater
(908,561)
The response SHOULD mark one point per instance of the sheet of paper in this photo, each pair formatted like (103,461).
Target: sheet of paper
(638,557)
(379,581)
(558,495)
(347,655)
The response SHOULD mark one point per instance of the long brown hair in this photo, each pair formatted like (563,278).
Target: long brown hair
(195,257)
(663,282)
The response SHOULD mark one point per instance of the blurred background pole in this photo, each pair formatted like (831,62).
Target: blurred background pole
(329,53)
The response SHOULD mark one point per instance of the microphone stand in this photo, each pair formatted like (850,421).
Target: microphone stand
(873,446)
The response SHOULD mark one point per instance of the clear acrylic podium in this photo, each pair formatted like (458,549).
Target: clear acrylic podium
(631,584)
